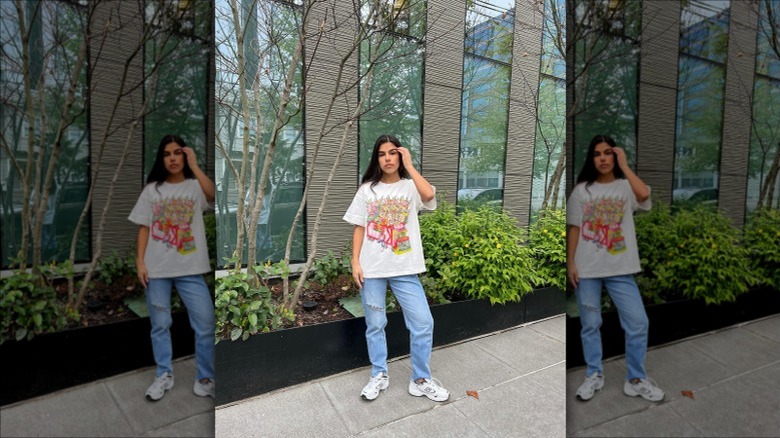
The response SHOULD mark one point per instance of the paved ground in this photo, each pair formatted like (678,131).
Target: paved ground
(734,374)
(519,375)
(115,407)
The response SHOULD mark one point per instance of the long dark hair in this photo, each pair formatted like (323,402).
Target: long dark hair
(589,173)
(158,174)
(374,171)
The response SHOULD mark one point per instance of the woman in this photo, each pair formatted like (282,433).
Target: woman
(172,251)
(602,251)
(387,248)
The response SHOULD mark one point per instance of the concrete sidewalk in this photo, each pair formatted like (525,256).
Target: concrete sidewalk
(519,375)
(734,374)
(115,406)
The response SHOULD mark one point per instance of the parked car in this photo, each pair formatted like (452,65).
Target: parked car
(707,195)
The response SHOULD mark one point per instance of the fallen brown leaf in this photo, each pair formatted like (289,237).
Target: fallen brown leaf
(688,394)
(473,394)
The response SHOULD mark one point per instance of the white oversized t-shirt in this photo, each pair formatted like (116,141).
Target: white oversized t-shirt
(605,215)
(391,244)
(177,237)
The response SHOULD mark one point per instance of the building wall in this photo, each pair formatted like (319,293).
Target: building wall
(443,88)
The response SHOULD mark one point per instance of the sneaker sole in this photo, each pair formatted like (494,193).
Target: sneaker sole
(430,397)
(639,394)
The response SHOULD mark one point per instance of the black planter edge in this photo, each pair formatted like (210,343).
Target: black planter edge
(283,358)
(55,361)
(673,321)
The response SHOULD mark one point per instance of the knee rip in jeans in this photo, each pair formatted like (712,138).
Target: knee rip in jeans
(377,308)
(590,308)
(160,308)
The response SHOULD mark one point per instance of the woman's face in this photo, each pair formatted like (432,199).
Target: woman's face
(604,158)
(389,158)
(173,158)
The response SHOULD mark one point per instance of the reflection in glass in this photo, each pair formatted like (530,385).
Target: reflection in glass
(178,98)
(271,37)
(701,81)
(489,29)
(606,93)
(763,189)
(394,101)
(55,36)
(549,152)
(484,118)
(768,53)
(704,29)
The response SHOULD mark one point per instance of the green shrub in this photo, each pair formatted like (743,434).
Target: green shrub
(480,253)
(329,267)
(762,240)
(547,240)
(116,265)
(29,309)
(694,252)
(244,307)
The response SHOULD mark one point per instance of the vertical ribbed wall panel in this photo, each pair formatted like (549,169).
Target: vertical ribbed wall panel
(735,147)
(526,58)
(443,89)
(122,39)
(335,44)
(658,96)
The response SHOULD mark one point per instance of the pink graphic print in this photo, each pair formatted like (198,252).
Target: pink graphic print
(601,225)
(387,224)
(171,219)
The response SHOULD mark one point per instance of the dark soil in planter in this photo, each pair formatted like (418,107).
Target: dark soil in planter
(103,302)
(326,296)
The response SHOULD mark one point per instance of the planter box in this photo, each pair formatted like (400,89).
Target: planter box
(282,358)
(674,320)
(55,361)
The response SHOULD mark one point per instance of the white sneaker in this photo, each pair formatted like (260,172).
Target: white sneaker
(645,388)
(590,386)
(161,384)
(430,388)
(204,389)
(377,383)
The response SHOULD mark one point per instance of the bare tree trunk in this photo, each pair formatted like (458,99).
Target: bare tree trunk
(30,136)
(63,124)
(278,124)
(767,192)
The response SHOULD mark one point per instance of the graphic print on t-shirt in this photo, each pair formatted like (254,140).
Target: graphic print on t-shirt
(171,219)
(601,223)
(387,223)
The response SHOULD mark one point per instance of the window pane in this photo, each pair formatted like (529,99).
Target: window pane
(548,178)
(768,54)
(705,29)
(489,29)
(271,38)
(698,129)
(55,36)
(485,107)
(763,184)
(606,94)
(394,103)
(178,91)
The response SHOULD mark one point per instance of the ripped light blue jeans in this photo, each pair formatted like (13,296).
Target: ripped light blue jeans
(200,309)
(410,295)
(633,318)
